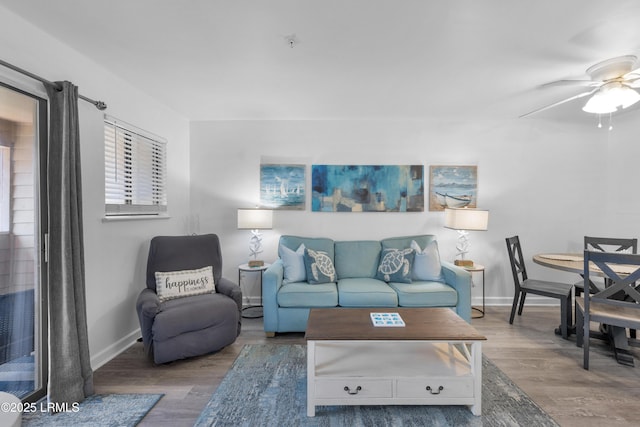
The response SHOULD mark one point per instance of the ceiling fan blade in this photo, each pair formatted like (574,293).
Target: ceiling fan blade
(571,83)
(555,104)
(632,73)
(634,83)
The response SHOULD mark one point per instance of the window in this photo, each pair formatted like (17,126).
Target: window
(134,170)
(5,188)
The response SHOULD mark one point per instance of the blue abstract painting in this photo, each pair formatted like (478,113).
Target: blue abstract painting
(453,187)
(282,186)
(367,188)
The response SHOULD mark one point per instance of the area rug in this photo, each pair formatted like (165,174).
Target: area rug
(17,376)
(100,410)
(266,386)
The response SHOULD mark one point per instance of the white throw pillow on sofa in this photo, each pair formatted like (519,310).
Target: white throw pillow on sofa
(293,262)
(184,283)
(426,263)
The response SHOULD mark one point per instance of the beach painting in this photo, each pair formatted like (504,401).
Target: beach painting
(367,188)
(453,187)
(282,186)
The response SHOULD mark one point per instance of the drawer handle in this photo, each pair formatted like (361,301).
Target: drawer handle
(348,390)
(430,390)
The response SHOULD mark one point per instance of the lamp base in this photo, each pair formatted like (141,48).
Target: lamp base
(463,262)
(256,263)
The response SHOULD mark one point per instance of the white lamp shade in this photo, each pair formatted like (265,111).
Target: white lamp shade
(610,97)
(255,219)
(466,219)
(599,104)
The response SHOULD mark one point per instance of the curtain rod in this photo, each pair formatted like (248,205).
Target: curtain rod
(98,104)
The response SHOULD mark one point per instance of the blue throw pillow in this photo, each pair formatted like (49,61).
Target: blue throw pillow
(395,265)
(293,263)
(319,267)
(426,265)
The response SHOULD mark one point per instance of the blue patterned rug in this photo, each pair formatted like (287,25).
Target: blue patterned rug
(17,376)
(106,410)
(267,386)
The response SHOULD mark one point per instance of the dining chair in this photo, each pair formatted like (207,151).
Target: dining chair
(622,270)
(524,285)
(605,244)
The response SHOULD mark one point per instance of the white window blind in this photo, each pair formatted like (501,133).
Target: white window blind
(134,170)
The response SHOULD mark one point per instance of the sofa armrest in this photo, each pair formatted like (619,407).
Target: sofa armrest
(147,306)
(459,279)
(271,283)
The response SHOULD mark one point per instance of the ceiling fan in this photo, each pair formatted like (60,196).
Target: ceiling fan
(611,85)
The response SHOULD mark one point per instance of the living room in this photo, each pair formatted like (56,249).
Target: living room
(551,178)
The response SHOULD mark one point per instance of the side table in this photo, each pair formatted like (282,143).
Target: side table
(477,268)
(252,311)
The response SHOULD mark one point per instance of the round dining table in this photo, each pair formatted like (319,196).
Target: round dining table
(574,263)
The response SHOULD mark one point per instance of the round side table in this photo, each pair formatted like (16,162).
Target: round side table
(477,268)
(252,311)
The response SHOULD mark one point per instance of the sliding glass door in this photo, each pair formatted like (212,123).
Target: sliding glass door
(23,340)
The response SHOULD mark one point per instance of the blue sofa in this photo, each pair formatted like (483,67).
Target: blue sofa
(358,279)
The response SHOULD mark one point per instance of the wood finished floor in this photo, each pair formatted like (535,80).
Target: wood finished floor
(548,368)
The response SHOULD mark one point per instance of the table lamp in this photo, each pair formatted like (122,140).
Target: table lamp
(464,220)
(255,220)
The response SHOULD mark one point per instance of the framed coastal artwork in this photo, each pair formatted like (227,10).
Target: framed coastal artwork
(282,186)
(367,188)
(452,187)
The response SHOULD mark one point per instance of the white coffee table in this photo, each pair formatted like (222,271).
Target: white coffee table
(436,359)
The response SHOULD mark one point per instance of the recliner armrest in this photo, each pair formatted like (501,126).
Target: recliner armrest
(230,289)
(147,306)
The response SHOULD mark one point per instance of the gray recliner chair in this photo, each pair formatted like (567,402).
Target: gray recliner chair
(193,325)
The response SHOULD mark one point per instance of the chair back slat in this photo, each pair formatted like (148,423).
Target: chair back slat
(621,290)
(610,244)
(517,260)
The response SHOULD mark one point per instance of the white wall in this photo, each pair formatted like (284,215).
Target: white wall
(115,252)
(543,180)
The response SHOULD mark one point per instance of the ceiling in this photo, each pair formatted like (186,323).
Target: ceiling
(351,59)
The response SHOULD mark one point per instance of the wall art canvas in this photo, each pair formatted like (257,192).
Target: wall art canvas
(282,186)
(452,187)
(367,188)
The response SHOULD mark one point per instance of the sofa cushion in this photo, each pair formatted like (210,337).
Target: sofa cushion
(396,265)
(405,242)
(425,294)
(293,264)
(315,243)
(319,267)
(365,292)
(426,263)
(357,258)
(303,294)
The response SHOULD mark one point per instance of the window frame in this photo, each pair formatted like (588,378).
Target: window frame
(135,171)
(6,153)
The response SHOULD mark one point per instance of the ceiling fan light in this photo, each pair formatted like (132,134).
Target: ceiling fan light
(599,104)
(628,97)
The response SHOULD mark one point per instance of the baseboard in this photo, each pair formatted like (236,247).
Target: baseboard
(114,349)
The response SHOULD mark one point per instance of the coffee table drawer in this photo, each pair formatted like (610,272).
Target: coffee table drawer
(438,388)
(355,388)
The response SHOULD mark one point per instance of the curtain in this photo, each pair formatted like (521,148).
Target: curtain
(70,374)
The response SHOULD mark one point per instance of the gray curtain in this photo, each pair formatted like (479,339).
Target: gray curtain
(70,374)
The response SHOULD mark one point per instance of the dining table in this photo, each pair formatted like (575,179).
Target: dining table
(574,263)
